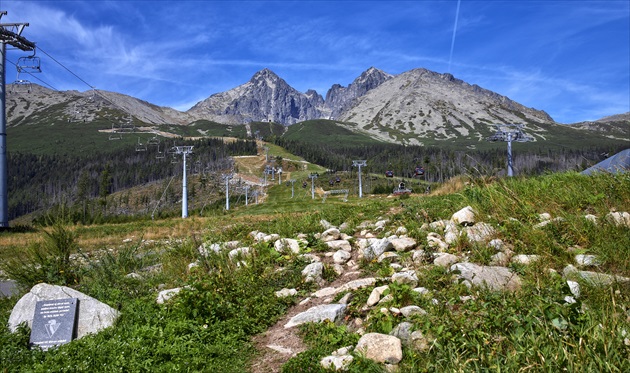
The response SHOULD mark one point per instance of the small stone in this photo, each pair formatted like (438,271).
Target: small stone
(285,293)
(166,295)
(389,256)
(325,292)
(592,218)
(337,363)
(331,312)
(375,295)
(587,260)
(331,234)
(412,310)
(525,259)
(342,256)
(401,231)
(445,260)
(408,277)
(574,287)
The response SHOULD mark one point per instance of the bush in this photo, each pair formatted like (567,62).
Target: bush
(48,261)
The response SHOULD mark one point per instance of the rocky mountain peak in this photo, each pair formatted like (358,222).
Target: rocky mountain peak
(266,97)
(267,77)
(339,98)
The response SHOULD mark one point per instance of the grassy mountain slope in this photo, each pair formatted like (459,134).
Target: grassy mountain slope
(327,132)
(211,326)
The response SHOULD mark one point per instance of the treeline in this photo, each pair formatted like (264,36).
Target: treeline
(38,182)
(440,164)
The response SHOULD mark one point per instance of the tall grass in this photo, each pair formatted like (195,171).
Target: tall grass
(209,326)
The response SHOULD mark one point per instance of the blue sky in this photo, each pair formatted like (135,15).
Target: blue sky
(569,58)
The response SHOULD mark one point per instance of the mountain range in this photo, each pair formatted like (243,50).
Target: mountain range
(408,108)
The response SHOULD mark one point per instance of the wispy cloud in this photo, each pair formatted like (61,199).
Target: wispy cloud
(568,58)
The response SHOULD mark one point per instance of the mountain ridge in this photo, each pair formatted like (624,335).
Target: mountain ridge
(405,108)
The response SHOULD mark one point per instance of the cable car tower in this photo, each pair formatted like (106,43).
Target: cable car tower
(360,163)
(509,133)
(10,33)
(184,151)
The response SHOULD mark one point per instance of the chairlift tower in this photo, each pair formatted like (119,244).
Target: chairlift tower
(10,33)
(246,193)
(292,181)
(360,163)
(227,178)
(509,133)
(184,151)
(313,177)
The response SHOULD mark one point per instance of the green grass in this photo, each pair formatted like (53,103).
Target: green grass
(210,326)
(206,128)
(326,132)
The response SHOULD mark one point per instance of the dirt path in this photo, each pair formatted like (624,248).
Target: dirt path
(271,359)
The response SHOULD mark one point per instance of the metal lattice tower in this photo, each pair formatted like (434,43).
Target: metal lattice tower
(10,33)
(360,163)
(184,151)
(509,133)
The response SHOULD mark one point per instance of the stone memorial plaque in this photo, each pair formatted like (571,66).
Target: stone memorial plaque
(54,322)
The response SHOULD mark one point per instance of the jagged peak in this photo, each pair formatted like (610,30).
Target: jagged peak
(265,73)
(267,77)
(372,71)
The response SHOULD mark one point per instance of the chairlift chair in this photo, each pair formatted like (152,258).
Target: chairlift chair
(154,141)
(140,147)
(30,63)
(419,171)
(115,134)
(21,86)
(160,154)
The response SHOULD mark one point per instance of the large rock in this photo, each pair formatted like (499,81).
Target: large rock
(593,278)
(435,240)
(93,316)
(407,277)
(357,284)
(465,216)
(495,278)
(166,295)
(331,312)
(313,272)
(445,260)
(480,232)
(375,295)
(340,245)
(287,245)
(619,218)
(331,234)
(403,244)
(341,257)
(381,348)
(377,248)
